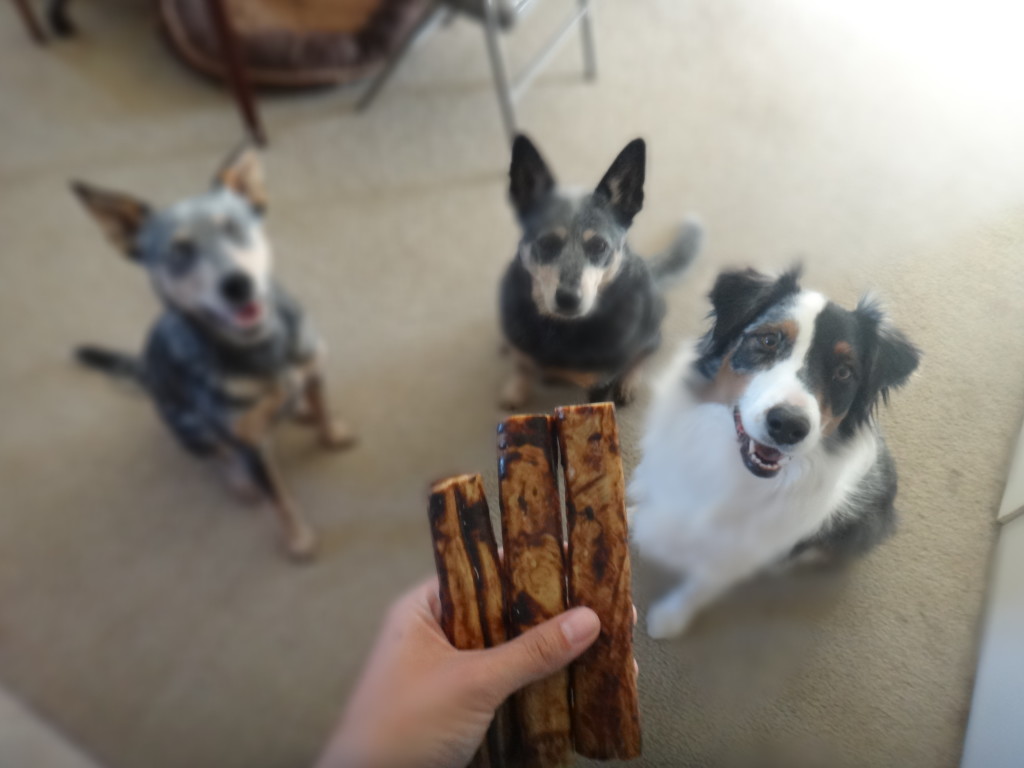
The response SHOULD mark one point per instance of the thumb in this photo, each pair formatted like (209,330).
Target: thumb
(541,651)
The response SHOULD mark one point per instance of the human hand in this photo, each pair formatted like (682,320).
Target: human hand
(423,704)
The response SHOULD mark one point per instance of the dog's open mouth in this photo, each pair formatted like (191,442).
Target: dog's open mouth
(245,321)
(761,460)
(248,315)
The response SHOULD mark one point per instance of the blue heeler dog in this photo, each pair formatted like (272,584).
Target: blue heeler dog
(232,352)
(577,304)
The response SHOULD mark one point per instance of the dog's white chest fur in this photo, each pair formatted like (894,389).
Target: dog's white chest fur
(701,513)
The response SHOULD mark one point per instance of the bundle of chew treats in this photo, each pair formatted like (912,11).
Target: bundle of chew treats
(591,707)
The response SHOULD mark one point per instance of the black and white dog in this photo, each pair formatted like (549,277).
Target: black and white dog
(761,445)
(232,352)
(576,303)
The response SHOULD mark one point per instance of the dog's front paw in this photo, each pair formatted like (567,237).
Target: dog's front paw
(626,393)
(242,483)
(337,436)
(301,544)
(513,395)
(667,619)
(302,413)
(627,389)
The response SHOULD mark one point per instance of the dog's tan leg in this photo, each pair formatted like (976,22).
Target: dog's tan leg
(299,538)
(335,434)
(517,388)
(252,429)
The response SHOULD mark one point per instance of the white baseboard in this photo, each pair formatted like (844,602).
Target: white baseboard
(28,742)
(1013,496)
(995,731)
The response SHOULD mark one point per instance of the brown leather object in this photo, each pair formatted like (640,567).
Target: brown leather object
(294,43)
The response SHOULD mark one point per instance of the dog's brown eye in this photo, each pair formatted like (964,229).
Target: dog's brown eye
(547,248)
(843,373)
(596,248)
(770,340)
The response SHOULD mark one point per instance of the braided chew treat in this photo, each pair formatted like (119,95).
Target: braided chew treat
(531,531)
(605,711)
(469,575)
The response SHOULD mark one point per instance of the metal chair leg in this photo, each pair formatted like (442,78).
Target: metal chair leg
(60,21)
(432,17)
(35,29)
(237,77)
(587,33)
(492,33)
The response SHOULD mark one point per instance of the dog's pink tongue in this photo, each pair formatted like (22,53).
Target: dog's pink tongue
(250,313)
(768,455)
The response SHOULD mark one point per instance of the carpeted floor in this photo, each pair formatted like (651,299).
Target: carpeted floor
(149,616)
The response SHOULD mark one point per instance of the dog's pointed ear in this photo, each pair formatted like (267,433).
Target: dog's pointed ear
(895,356)
(623,185)
(530,181)
(120,216)
(739,297)
(242,173)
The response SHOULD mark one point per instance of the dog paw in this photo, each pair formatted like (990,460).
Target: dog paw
(302,413)
(338,436)
(626,392)
(301,544)
(512,397)
(625,396)
(666,620)
(241,483)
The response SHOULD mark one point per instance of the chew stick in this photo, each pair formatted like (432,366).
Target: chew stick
(478,538)
(531,530)
(470,589)
(605,714)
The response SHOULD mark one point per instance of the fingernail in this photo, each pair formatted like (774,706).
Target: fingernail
(580,624)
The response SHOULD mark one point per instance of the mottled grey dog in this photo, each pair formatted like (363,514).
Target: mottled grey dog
(232,352)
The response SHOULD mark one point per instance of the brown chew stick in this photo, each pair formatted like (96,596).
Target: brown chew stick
(470,589)
(478,538)
(531,530)
(605,715)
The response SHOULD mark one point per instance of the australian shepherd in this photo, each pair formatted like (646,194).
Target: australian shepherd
(761,445)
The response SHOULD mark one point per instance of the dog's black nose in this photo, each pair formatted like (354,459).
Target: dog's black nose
(787,425)
(568,299)
(237,288)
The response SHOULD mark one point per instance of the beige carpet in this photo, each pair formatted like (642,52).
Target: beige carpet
(149,616)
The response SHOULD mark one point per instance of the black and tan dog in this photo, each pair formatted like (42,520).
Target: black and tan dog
(577,304)
(232,353)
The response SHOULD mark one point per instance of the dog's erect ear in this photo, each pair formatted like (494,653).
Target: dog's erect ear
(242,173)
(739,297)
(121,216)
(530,181)
(623,185)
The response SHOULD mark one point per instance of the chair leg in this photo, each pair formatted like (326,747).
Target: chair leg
(432,17)
(60,21)
(587,33)
(237,77)
(492,32)
(35,29)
